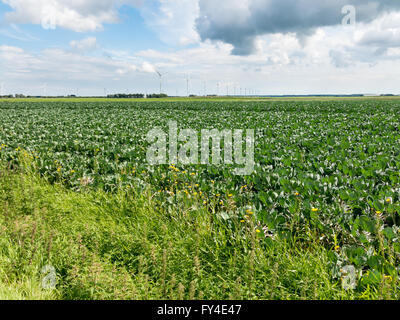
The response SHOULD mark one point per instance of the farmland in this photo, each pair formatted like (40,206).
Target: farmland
(77,193)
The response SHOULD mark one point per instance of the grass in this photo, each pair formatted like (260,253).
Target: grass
(125,246)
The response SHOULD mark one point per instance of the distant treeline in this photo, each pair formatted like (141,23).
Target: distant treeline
(157,95)
(20,96)
(136,96)
(110,96)
(126,95)
(162,95)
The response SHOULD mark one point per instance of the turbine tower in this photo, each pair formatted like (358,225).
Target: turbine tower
(160,75)
(187,84)
(44,87)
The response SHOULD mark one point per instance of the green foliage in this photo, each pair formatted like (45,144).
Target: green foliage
(119,246)
(126,95)
(326,177)
(157,96)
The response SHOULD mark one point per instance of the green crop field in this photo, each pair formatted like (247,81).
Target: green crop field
(317,219)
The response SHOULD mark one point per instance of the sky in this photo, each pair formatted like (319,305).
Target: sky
(271,47)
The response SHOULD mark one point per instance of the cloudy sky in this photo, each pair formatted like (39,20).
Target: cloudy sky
(92,47)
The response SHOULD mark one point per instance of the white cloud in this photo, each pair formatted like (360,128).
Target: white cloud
(76,15)
(383,32)
(334,59)
(173,20)
(68,64)
(84,45)
(299,71)
(62,69)
(147,67)
(239,22)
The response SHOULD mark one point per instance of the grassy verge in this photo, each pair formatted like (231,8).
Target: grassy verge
(119,246)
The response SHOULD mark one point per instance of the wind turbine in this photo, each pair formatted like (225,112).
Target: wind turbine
(161,75)
(44,87)
(187,84)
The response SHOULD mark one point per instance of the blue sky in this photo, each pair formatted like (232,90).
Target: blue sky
(129,34)
(227,46)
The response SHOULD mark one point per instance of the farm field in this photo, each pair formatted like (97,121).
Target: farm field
(317,219)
